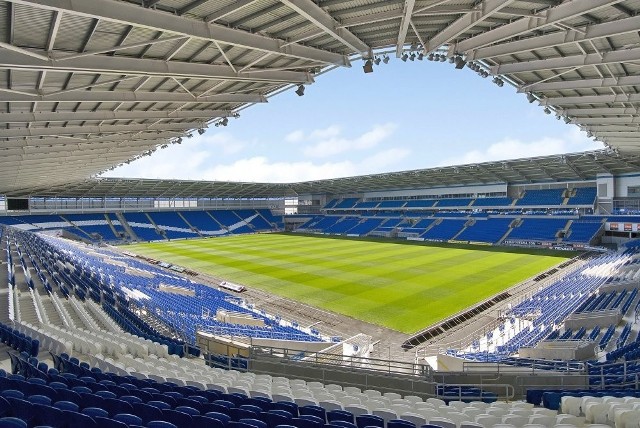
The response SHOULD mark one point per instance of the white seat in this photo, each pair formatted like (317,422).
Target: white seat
(488,421)
(443,422)
(521,405)
(536,426)
(414,418)
(333,387)
(458,405)
(515,420)
(435,401)
(329,405)
(305,402)
(428,413)
(472,412)
(543,411)
(386,414)
(571,405)
(576,421)
(597,413)
(471,425)
(496,411)
(504,426)
(372,393)
(521,411)
(352,390)
(413,398)
(617,409)
(542,420)
(356,409)
(628,419)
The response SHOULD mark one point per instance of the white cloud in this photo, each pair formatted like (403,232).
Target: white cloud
(294,137)
(509,148)
(332,143)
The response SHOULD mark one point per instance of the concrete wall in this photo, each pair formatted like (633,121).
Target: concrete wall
(593,319)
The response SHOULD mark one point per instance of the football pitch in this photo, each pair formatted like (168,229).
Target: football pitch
(398,285)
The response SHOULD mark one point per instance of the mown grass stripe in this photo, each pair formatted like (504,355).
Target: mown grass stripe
(403,287)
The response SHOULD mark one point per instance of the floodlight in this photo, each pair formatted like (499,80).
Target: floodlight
(567,119)
(420,56)
(589,134)
(300,90)
(412,57)
(443,58)
(200,131)
(430,57)
(459,62)
(225,121)
(404,57)
(547,110)
(451,60)
(377,61)
(386,59)
(530,97)
(436,57)
(179,140)
(368,66)
(189,135)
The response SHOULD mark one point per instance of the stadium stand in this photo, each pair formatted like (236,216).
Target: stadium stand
(541,198)
(491,230)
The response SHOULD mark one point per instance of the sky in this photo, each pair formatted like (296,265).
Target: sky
(403,116)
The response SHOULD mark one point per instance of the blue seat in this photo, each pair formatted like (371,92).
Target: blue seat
(222,417)
(202,421)
(254,422)
(287,406)
(39,399)
(226,403)
(5,407)
(273,419)
(400,423)
(314,411)
(115,406)
(344,424)
(180,419)
(363,421)
(66,405)
(188,410)
(49,416)
(10,422)
(79,420)
(131,399)
(159,404)
(95,411)
(339,415)
(234,424)
(128,419)
(306,423)
(238,413)
(108,423)
(147,412)
(12,393)
(160,424)
(21,409)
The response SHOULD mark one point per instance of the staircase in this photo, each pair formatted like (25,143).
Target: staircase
(195,229)
(112,227)
(126,227)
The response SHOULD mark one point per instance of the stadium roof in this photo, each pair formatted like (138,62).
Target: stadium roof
(89,84)
(548,169)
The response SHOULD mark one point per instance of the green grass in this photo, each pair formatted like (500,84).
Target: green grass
(399,286)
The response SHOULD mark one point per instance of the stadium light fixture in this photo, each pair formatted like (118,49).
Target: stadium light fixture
(589,134)
(368,66)
(443,58)
(201,131)
(404,57)
(459,62)
(412,57)
(430,57)
(179,140)
(547,110)
(420,56)
(567,119)
(377,61)
(300,90)
(530,97)
(386,59)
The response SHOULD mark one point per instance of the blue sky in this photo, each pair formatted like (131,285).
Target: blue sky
(402,116)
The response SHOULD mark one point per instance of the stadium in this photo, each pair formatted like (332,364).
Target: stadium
(494,294)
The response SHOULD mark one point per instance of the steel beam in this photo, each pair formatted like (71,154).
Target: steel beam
(552,16)
(133,97)
(591,99)
(466,22)
(321,19)
(575,112)
(228,10)
(131,14)
(404,25)
(609,82)
(611,57)
(148,67)
(58,116)
(590,32)
(84,130)
(631,120)
(146,138)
